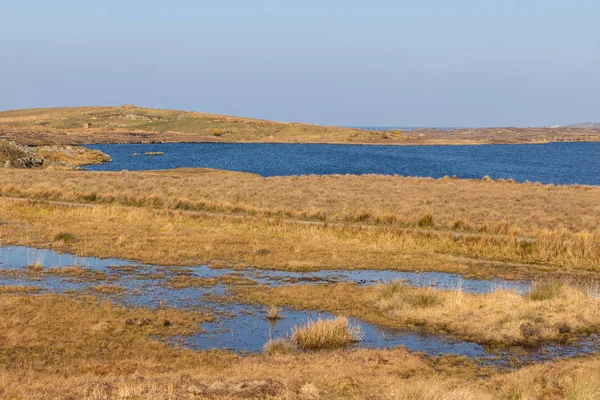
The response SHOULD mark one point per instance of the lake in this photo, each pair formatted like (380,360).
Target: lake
(558,163)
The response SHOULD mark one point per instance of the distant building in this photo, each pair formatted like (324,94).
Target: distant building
(87,125)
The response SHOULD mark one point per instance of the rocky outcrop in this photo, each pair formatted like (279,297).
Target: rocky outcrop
(30,162)
(13,155)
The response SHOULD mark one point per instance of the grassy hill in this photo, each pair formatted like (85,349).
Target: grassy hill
(134,124)
(131,124)
(585,125)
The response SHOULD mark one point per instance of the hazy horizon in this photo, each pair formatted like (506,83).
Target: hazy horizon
(344,63)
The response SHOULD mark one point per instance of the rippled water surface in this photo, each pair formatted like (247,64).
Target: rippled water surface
(558,163)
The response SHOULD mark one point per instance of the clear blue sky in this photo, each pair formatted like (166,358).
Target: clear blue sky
(377,62)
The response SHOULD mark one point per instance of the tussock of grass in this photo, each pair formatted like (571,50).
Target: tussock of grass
(387,291)
(586,387)
(398,291)
(425,299)
(65,237)
(35,268)
(546,290)
(326,334)
(279,346)
(462,225)
(426,221)
(274,313)
(263,252)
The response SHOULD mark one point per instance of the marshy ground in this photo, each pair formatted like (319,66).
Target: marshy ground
(237,245)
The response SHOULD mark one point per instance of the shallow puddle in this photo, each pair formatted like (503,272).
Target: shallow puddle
(16,257)
(245,328)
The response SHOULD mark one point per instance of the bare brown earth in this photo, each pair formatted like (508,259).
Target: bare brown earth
(130,124)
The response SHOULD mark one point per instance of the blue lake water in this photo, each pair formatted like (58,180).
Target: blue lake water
(558,163)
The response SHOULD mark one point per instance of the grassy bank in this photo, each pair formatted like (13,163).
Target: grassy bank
(174,238)
(552,311)
(462,205)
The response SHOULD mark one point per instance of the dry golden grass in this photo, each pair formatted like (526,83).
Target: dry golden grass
(71,156)
(173,238)
(274,313)
(279,346)
(500,318)
(326,334)
(460,205)
(18,289)
(54,347)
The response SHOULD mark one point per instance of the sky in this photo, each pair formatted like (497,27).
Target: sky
(353,63)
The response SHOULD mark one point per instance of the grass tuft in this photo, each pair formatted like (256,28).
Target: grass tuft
(548,290)
(65,237)
(274,313)
(583,388)
(425,299)
(279,346)
(263,252)
(389,290)
(326,334)
(426,221)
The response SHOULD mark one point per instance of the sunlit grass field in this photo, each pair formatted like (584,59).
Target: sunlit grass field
(75,345)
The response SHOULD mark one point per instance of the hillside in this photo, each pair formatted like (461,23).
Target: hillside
(134,124)
(585,125)
(131,124)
